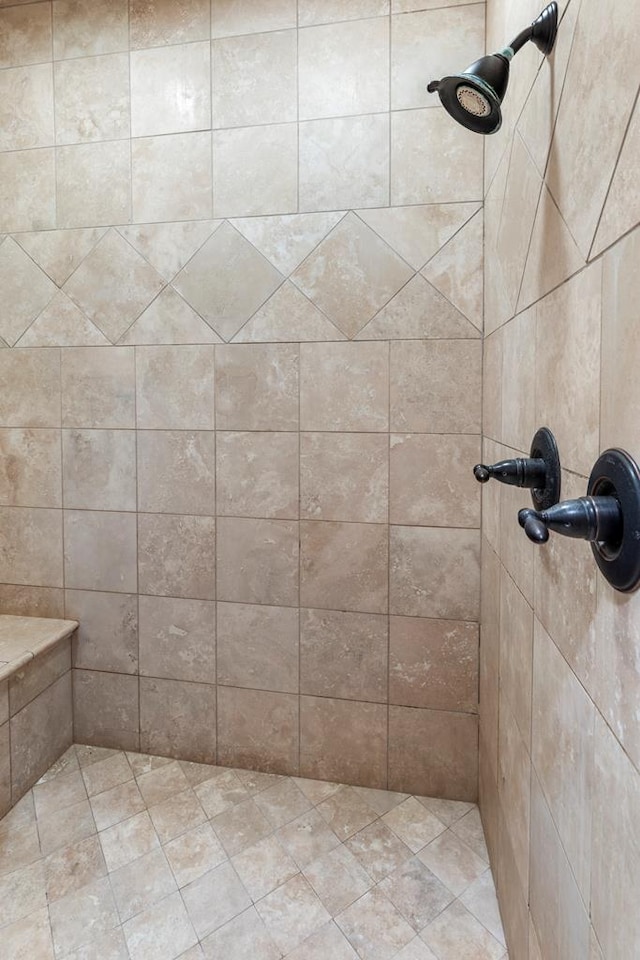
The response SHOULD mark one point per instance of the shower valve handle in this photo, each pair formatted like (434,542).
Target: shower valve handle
(598,519)
(519,472)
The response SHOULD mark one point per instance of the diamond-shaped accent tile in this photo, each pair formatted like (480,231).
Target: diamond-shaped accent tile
(622,207)
(351,275)
(456,270)
(25,288)
(169,246)
(62,324)
(60,252)
(288,317)
(418,311)
(286,241)
(417,232)
(113,285)
(227,280)
(169,320)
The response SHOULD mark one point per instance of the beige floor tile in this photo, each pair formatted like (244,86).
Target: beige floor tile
(21,893)
(379,850)
(469,829)
(19,847)
(307,838)
(416,949)
(452,861)
(176,815)
(59,828)
(110,945)
(88,754)
(117,804)
(316,790)
(346,812)
(264,866)
(81,915)
(282,803)
(244,936)
(292,913)
(480,899)
(61,792)
(416,893)
(338,879)
(107,773)
(415,825)
(126,841)
(241,827)
(194,853)
(382,801)
(214,899)
(327,942)
(449,811)
(198,772)
(374,927)
(30,938)
(254,781)
(220,792)
(162,930)
(140,884)
(158,785)
(457,935)
(73,867)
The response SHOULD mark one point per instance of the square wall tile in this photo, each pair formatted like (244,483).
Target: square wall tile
(74,27)
(98,387)
(258,730)
(25,35)
(178,639)
(254,79)
(107,637)
(257,387)
(344,566)
(344,655)
(176,472)
(105,710)
(251,16)
(431,482)
(257,475)
(435,572)
(433,663)
(100,551)
(99,469)
(258,647)
(26,107)
(153,23)
(93,184)
(433,753)
(344,476)
(255,170)
(161,188)
(344,741)
(51,714)
(5,770)
(325,11)
(27,190)
(177,556)
(31,546)
(178,719)
(436,386)
(175,387)
(344,69)
(170,89)
(30,471)
(27,601)
(102,116)
(344,386)
(344,163)
(31,388)
(258,561)
(47,667)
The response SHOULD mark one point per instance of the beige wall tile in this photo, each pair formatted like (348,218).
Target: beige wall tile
(518,381)
(30,472)
(27,601)
(258,730)
(5,769)
(93,184)
(620,212)
(344,163)
(26,289)
(344,386)
(324,11)
(153,23)
(257,475)
(489,663)
(431,480)
(254,79)
(105,710)
(493,385)
(51,714)
(513,897)
(60,252)
(107,636)
(435,572)
(257,387)
(170,89)
(435,386)
(343,655)
(516,653)
(178,719)
(231,17)
(433,753)
(26,107)
(514,789)
(344,476)
(26,35)
(255,170)
(74,27)
(100,551)
(47,667)
(433,663)
(33,397)
(176,472)
(176,556)
(258,647)
(174,387)
(98,387)
(286,241)
(344,566)
(27,190)
(160,189)
(105,116)
(99,469)
(343,740)
(31,546)
(169,320)
(553,255)
(62,324)
(177,639)
(517,552)
(419,140)
(344,69)
(258,561)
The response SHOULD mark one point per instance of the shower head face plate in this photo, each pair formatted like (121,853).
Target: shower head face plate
(472,104)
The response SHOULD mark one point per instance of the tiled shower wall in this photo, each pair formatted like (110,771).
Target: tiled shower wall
(241,312)
(560,654)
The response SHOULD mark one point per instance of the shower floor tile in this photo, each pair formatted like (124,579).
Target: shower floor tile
(123,856)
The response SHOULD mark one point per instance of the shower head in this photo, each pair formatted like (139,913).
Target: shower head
(474,97)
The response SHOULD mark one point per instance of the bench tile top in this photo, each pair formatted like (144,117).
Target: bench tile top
(23,638)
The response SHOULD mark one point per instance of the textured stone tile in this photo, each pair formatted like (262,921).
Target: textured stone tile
(116,804)
(343,740)
(258,561)
(214,899)
(344,476)
(292,913)
(82,172)
(104,115)
(245,934)
(452,861)
(374,927)
(140,884)
(107,638)
(451,497)
(258,729)
(379,850)
(416,892)
(346,812)
(82,915)
(175,387)
(177,639)
(344,565)
(254,79)
(176,556)
(456,933)
(99,469)
(264,866)
(27,290)
(413,824)
(338,879)
(257,387)
(163,927)
(92,538)
(246,17)
(257,475)
(178,718)
(282,802)
(257,646)
(26,114)
(344,655)
(153,24)
(170,89)
(26,36)
(74,33)
(125,842)
(98,387)
(241,826)
(194,853)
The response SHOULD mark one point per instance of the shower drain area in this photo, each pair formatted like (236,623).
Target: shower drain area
(124,856)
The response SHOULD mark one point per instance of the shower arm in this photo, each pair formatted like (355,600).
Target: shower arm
(523,37)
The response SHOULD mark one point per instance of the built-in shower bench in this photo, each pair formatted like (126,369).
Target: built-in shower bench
(36,716)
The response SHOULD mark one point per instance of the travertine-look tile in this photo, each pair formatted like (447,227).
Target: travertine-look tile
(60,252)
(98,387)
(254,79)
(31,546)
(174,387)
(257,387)
(258,561)
(344,386)
(106,115)
(412,823)
(264,866)
(343,655)
(170,89)
(286,241)
(99,469)
(168,246)
(255,170)
(163,926)
(153,23)
(620,212)
(175,815)
(178,719)
(433,752)
(258,729)
(346,812)
(33,397)
(74,33)
(258,646)
(176,472)
(416,892)
(142,883)
(93,184)
(26,36)
(311,12)
(249,16)
(26,114)
(194,853)
(162,782)
(434,573)
(214,899)
(62,324)
(30,474)
(257,475)
(514,779)
(379,849)
(241,826)
(338,879)
(105,709)
(344,566)
(116,804)
(51,710)
(418,311)
(27,190)
(107,638)
(457,270)
(91,541)
(177,639)
(374,927)
(160,191)
(177,556)
(241,936)
(292,913)
(27,290)
(169,320)
(420,493)
(516,653)
(344,477)
(452,861)
(83,914)
(456,933)
(343,740)
(288,316)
